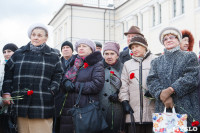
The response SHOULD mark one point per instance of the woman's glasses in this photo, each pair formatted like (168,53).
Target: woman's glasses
(169,37)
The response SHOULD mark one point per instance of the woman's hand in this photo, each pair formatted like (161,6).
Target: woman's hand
(6,96)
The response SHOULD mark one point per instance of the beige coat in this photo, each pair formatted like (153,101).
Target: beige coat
(130,88)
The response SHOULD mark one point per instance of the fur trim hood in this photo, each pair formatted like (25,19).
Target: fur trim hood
(191,39)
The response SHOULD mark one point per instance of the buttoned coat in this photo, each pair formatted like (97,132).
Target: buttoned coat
(179,70)
(130,89)
(108,107)
(38,71)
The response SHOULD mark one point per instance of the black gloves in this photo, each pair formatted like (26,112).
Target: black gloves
(69,86)
(147,94)
(114,97)
(127,108)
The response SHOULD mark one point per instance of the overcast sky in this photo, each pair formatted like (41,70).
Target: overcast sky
(17,15)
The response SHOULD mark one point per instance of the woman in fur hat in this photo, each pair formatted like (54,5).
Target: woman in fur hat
(187,41)
(173,77)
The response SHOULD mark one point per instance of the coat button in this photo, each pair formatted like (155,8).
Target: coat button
(109,68)
(107,80)
(103,109)
(105,94)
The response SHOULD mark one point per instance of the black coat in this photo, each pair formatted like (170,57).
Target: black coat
(93,78)
(37,71)
(124,56)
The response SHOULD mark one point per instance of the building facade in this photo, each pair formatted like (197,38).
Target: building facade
(104,20)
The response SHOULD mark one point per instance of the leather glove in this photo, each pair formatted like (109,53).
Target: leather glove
(69,86)
(127,108)
(114,97)
(169,103)
(166,93)
(147,94)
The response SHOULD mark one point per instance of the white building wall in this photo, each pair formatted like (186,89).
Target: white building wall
(89,22)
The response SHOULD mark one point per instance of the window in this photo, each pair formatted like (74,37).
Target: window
(199,3)
(182,6)
(160,14)
(154,14)
(174,8)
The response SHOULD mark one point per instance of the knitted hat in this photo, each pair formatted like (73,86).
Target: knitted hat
(98,44)
(170,30)
(88,42)
(133,30)
(37,25)
(67,43)
(10,46)
(138,40)
(111,46)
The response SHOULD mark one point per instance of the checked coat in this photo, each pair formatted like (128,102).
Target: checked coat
(39,71)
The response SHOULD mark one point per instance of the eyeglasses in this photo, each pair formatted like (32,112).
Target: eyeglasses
(170,37)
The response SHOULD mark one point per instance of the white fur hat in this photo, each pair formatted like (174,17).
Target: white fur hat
(37,25)
(170,30)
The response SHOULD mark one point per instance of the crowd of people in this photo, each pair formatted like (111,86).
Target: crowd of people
(42,86)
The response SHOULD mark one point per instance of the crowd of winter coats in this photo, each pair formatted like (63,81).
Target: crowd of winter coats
(43,86)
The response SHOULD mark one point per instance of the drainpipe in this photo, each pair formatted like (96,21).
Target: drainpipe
(104,34)
(71,23)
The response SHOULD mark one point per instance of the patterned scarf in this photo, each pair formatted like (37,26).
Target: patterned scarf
(38,48)
(71,74)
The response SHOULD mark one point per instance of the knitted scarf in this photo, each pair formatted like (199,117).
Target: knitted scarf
(72,73)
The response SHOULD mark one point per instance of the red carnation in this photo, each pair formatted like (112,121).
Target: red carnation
(132,75)
(29,92)
(86,65)
(112,72)
(131,54)
(195,123)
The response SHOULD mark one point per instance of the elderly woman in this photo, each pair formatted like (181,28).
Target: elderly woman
(34,67)
(173,77)
(8,51)
(134,74)
(110,105)
(86,68)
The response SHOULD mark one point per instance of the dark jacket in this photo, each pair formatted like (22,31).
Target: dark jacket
(179,70)
(109,88)
(40,72)
(124,56)
(93,78)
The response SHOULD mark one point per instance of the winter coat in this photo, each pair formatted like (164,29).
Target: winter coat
(106,106)
(130,89)
(93,78)
(124,56)
(39,71)
(179,70)
(2,65)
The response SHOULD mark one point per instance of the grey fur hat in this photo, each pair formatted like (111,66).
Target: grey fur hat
(88,42)
(37,25)
(170,30)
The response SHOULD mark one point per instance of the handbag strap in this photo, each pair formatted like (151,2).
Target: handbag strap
(133,128)
(173,110)
(79,95)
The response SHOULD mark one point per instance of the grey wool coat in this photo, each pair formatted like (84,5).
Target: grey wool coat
(109,89)
(179,70)
(39,71)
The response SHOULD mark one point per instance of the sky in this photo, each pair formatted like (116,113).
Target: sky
(17,15)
